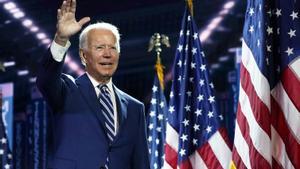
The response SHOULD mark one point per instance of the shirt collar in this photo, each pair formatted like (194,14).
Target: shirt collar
(95,83)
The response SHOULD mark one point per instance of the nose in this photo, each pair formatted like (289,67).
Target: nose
(106,52)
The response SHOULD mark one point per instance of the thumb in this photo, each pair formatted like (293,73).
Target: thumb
(84,21)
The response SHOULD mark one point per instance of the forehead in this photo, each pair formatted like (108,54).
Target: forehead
(100,35)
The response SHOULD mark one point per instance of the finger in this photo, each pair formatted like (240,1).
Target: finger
(63,8)
(58,14)
(68,7)
(73,6)
(84,21)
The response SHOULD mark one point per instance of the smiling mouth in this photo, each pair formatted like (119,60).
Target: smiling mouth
(105,64)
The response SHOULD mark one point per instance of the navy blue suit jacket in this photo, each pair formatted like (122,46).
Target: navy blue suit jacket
(76,127)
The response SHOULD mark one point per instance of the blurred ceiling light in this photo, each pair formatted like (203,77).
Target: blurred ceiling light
(27,22)
(9,5)
(34,29)
(229,5)
(10,63)
(23,72)
(18,15)
(41,36)
(46,41)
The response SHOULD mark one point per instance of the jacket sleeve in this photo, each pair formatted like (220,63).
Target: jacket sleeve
(49,81)
(140,154)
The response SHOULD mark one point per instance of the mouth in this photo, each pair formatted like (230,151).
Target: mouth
(105,64)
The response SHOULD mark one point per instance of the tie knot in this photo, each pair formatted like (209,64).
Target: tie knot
(103,88)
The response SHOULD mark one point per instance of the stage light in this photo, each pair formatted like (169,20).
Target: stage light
(46,41)
(23,72)
(9,64)
(41,35)
(34,29)
(9,5)
(18,15)
(27,22)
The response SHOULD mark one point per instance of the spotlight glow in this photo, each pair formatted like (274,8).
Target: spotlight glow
(41,36)
(9,5)
(27,22)
(18,15)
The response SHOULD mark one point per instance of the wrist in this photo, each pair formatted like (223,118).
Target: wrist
(61,40)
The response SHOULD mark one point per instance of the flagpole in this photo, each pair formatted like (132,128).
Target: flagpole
(156,42)
(191,6)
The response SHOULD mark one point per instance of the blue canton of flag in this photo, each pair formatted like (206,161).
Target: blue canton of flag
(267,131)
(157,125)
(5,155)
(195,137)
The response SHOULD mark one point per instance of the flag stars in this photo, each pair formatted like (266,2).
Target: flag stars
(184,137)
(270,12)
(193,65)
(195,36)
(211,99)
(292,33)
(278,12)
(208,129)
(203,54)
(158,129)
(3,140)
(269,48)
(251,29)
(221,117)
(201,82)
(200,97)
(251,11)
(189,18)
(182,152)
(187,33)
(162,104)
(211,85)
(189,93)
(289,51)
(185,122)
(269,30)
(152,114)
(149,140)
(150,126)
(179,78)
(154,89)
(187,108)
(210,114)
(160,117)
(195,142)
(186,47)
(181,33)
(194,51)
(153,101)
(179,63)
(157,141)
(294,15)
(155,165)
(258,42)
(1,151)
(180,47)
(171,109)
(7,166)
(171,94)
(191,79)
(156,155)
(196,127)
(198,112)
(203,67)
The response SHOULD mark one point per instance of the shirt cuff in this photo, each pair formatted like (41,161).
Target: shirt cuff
(59,51)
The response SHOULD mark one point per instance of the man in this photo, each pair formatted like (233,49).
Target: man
(93,124)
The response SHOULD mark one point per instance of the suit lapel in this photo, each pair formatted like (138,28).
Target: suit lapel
(88,92)
(122,110)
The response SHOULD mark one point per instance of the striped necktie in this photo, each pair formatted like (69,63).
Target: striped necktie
(107,111)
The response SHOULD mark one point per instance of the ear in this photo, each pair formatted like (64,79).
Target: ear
(82,56)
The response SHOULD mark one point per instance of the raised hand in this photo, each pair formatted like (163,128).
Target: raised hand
(66,22)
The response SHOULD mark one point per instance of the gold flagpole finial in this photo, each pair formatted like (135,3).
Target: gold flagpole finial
(191,6)
(156,42)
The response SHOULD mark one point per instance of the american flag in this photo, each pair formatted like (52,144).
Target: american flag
(195,137)
(5,155)
(157,125)
(267,133)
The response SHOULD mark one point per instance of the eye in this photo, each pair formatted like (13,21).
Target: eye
(100,47)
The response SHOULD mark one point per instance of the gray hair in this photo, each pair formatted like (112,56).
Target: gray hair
(100,25)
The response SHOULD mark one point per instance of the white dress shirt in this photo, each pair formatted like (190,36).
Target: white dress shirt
(58,53)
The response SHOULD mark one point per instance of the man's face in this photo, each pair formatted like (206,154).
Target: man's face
(100,55)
